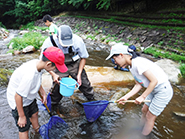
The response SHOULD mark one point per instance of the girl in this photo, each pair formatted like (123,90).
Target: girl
(149,75)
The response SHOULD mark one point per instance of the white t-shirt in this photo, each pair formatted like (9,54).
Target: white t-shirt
(25,81)
(140,65)
(78,47)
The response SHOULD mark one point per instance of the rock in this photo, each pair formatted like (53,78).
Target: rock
(23,32)
(3,33)
(28,49)
(16,52)
(4,76)
(96,75)
(171,69)
(181,114)
(103,75)
(5,55)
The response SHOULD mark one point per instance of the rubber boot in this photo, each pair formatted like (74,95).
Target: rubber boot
(54,108)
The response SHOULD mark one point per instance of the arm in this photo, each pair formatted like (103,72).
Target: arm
(153,82)
(81,67)
(56,77)
(137,87)
(19,104)
(43,93)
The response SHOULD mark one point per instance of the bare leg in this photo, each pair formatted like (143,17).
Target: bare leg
(23,135)
(144,112)
(34,121)
(149,123)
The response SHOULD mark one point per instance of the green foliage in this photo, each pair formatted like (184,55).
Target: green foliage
(1,25)
(76,3)
(32,38)
(30,26)
(103,4)
(182,69)
(164,54)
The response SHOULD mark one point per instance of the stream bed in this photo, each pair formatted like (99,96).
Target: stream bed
(119,123)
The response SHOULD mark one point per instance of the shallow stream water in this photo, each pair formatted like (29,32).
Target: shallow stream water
(120,123)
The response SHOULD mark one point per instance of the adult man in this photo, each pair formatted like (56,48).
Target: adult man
(75,53)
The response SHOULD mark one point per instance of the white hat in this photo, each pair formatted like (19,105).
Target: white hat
(65,35)
(117,49)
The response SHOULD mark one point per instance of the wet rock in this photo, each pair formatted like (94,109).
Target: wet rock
(3,33)
(115,106)
(101,75)
(181,114)
(23,32)
(28,49)
(4,76)
(16,52)
(171,68)
(5,55)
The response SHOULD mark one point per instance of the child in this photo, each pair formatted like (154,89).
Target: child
(47,19)
(149,75)
(24,85)
(120,68)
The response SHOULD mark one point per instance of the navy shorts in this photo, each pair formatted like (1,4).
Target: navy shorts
(28,111)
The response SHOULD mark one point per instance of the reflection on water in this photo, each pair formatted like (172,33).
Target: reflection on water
(122,123)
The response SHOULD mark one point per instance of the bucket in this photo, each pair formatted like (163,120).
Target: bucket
(67,86)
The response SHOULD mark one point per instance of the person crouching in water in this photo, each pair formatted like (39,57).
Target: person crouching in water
(149,75)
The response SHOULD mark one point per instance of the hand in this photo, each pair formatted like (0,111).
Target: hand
(22,121)
(139,100)
(79,81)
(120,101)
(56,78)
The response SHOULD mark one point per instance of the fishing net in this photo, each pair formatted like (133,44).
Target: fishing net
(54,129)
(41,105)
(94,109)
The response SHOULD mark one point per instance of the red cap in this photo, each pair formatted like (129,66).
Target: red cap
(56,56)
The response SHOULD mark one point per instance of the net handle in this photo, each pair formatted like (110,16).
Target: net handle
(45,104)
(132,101)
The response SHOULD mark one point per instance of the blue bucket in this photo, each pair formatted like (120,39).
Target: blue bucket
(67,86)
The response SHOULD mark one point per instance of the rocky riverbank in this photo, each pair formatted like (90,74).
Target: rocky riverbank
(109,33)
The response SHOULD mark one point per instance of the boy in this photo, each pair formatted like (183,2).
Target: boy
(149,75)
(24,85)
(47,19)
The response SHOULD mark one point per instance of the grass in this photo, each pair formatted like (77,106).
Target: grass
(158,53)
(182,69)
(30,26)
(32,38)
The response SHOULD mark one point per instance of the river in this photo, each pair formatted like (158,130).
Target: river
(121,123)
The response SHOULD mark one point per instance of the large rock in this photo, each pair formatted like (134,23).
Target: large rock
(100,75)
(96,75)
(171,68)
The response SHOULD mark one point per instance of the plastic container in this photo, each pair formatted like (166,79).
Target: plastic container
(67,86)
